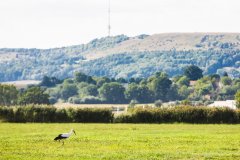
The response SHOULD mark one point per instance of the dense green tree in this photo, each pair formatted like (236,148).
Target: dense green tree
(229,91)
(112,79)
(112,92)
(176,78)
(226,80)
(184,92)
(102,80)
(54,94)
(135,80)
(225,74)
(172,93)
(68,81)
(132,92)
(55,80)
(131,80)
(236,81)
(160,85)
(203,86)
(121,80)
(80,77)
(193,72)
(90,80)
(68,90)
(82,85)
(49,81)
(34,95)
(90,90)
(143,82)
(8,95)
(140,93)
(46,82)
(215,77)
(183,81)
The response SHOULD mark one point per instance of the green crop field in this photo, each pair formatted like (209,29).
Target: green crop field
(119,141)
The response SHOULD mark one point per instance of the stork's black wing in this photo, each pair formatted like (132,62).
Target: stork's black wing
(58,137)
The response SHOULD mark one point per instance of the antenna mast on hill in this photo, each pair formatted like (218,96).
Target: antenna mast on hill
(109,24)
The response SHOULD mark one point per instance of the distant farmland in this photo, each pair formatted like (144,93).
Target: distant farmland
(22,84)
(116,108)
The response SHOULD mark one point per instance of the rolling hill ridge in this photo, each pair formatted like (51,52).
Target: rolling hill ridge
(123,56)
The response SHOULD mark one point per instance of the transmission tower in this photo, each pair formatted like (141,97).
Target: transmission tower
(109,16)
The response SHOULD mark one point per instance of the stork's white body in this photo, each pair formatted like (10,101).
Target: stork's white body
(67,135)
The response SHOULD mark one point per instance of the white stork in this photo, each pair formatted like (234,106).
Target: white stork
(64,136)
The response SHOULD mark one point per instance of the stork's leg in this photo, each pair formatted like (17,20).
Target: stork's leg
(62,142)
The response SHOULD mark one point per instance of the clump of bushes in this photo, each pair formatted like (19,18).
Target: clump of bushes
(42,113)
(91,115)
(185,114)
(158,103)
(85,100)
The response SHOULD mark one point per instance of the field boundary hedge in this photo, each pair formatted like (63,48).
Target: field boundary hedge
(181,114)
(42,113)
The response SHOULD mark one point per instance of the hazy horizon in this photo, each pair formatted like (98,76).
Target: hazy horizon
(59,23)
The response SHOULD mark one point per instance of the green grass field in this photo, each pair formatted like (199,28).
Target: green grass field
(120,141)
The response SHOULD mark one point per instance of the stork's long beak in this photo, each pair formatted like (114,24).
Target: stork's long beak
(74,132)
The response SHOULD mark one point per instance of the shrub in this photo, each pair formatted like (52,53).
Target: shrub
(38,113)
(92,115)
(185,114)
(158,103)
(6,114)
(133,103)
(186,102)
(91,100)
(238,113)
(74,100)
(32,113)
(222,115)
(123,118)
(62,116)
(52,100)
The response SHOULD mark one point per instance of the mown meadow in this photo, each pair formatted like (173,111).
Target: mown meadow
(34,141)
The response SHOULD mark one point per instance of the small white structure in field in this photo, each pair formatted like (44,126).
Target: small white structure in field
(228,103)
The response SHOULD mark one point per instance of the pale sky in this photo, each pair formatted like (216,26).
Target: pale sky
(57,23)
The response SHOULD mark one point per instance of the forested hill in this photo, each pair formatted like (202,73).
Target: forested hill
(122,56)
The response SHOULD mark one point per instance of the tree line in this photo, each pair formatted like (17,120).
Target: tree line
(9,95)
(158,88)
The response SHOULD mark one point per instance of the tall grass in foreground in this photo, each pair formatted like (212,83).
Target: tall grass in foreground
(34,141)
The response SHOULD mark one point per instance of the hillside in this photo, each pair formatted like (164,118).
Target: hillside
(122,56)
